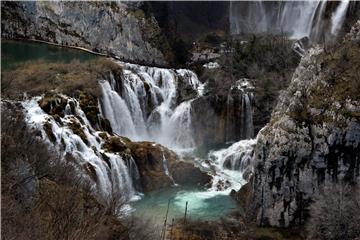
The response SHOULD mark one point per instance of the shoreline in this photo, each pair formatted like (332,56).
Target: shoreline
(115,57)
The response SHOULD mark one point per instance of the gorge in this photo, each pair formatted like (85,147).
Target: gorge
(224,131)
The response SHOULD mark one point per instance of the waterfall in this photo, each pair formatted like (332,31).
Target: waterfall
(248,127)
(146,106)
(236,157)
(230,164)
(116,111)
(296,18)
(239,111)
(338,16)
(108,172)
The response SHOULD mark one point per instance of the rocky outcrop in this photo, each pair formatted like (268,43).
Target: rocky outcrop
(313,136)
(228,113)
(158,166)
(113,28)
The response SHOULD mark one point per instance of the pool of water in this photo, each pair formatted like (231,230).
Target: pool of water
(205,204)
(14,53)
(202,204)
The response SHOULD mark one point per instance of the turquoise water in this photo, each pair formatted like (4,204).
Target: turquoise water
(14,53)
(202,204)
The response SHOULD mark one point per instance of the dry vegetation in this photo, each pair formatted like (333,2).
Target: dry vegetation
(43,197)
(335,214)
(38,77)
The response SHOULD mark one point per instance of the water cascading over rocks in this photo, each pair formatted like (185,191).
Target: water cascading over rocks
(78,143)
(148,104)
(297,18)
(239,112)
(233,165)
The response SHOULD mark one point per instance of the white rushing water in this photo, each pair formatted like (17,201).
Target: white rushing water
(296,18)
(338,16)
(230,164)
(143,106)
(109,173)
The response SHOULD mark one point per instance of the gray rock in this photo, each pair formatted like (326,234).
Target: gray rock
(306,144)
(111,28)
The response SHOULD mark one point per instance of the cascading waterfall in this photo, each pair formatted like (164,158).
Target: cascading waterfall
(146,106)
(296,18)
(109,172)
(230,164)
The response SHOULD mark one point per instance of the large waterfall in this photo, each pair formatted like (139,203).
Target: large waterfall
(146,104)
(296,18)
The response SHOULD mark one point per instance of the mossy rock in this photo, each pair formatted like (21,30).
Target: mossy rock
(78,130)
(90,169)
(115,144)
(53,104)
(48,130)
(89,105)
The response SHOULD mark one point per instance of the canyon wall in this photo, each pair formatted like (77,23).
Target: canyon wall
(113,28)
(313,136)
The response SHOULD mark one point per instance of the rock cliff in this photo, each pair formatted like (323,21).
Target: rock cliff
(313,136)
(113,28)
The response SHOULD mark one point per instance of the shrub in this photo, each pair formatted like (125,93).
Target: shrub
(43,197)
(335,213)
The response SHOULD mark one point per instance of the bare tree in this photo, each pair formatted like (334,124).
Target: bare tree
(335,213)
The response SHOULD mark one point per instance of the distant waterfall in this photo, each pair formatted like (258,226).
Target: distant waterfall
(296,18)
(144,106)
(110,173)
(248,127)
(239,111)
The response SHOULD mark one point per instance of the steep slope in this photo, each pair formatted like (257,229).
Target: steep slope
(113,28)
(313,136)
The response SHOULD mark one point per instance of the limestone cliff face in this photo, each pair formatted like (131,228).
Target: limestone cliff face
(113,28)
(313,136)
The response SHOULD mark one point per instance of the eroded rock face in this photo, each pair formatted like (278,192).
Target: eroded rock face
(111,28)
(313,137)
(221,117)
